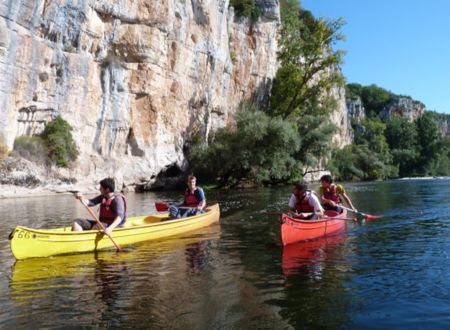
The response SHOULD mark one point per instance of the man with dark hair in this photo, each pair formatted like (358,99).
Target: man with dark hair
(194,201)
(112,208)
(304,204)
(330,194)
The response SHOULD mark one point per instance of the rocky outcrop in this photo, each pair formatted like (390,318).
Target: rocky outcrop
(355,109)
(444,126)
(404,107)
(341,120)
(135,79)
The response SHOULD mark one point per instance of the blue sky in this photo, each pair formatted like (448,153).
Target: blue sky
(400,45)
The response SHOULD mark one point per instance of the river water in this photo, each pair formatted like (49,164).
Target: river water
(390,272)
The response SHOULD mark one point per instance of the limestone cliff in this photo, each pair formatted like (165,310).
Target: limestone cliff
(404,107)
(135,79)
(342,120)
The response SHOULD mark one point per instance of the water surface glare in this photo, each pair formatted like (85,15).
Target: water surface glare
(390,272)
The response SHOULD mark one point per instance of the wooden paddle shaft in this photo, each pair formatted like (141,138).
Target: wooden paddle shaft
(92,213)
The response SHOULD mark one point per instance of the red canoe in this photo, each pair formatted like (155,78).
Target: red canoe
(295,230)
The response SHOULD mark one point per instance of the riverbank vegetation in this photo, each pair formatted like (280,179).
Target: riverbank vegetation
(394,146)
(55,145)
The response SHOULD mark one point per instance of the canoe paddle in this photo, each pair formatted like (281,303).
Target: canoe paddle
(162,207)
(92,213)
(365,215)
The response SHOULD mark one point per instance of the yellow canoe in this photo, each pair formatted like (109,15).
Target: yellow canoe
(34,243)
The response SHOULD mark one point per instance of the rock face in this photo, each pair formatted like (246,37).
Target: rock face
(135,79)
(355,113)
(355,109)
(444,127)
(341,119)
(404,107)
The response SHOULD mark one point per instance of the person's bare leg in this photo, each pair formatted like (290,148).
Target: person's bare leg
(76,227)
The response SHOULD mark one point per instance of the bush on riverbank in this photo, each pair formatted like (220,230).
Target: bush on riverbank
(54,145)
(258,149)
(32,148)
(58,138)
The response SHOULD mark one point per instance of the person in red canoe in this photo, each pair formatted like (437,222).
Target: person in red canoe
(304,204)
(194,201)
(112,208)
(330,194)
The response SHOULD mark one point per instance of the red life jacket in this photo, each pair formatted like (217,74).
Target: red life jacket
(330,193)
(190,199)
(107,215)
(303,206)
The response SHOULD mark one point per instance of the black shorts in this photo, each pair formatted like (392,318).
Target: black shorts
(88,224)
(333,208)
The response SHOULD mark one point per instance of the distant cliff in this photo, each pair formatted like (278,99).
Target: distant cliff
(361,100)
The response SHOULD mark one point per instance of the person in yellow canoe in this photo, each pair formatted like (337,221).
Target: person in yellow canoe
(303,203)
(194,201)
(330,194)
(113,208)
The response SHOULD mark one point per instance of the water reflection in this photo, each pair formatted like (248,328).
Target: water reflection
(95,288)
(312,257)
(197,255)
(315,274)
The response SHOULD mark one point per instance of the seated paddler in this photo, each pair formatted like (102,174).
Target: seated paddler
(194,201)
(304,204)
(331,194)
(112,208)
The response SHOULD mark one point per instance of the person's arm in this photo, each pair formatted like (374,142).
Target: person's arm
(318,209)
(348,201)
(328,201)
(341,192)
(291,204)
(110,228)
(119,208)
(201,196)
(89,202)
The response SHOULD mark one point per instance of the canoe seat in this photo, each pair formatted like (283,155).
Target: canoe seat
(140,221)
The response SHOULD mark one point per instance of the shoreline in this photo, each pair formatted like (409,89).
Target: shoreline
(12,191)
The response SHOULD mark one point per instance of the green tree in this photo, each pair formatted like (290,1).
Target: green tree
(344,164)
(369,158)
(246,8)
(308,64)
(353,91)
(301,90)
(315,133)
(58,138)
(429,140)
(375,99)
(401,135)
